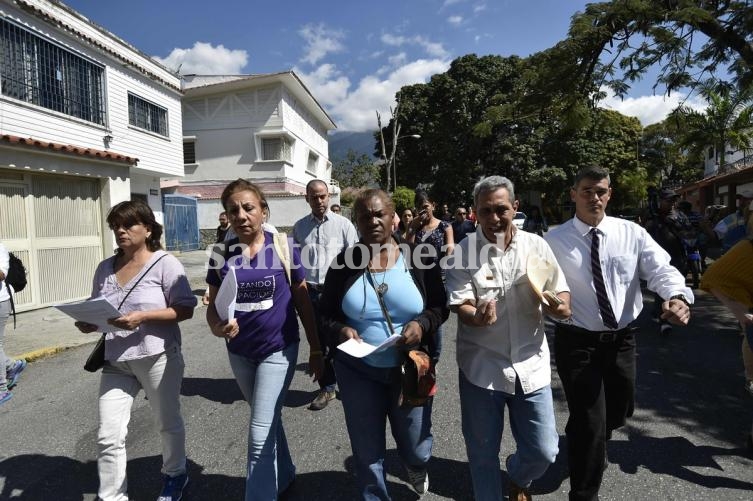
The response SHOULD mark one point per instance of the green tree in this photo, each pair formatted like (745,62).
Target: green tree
(356,171)
(616,42)
(403,198)
(727,121)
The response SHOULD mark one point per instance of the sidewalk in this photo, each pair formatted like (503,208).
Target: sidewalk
(44,332)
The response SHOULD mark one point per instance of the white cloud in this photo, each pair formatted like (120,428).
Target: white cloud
(447,3)
(433,49)
(398,59)
(354,109)
(479,8)
(320,41)
(651,109)
(456,20)
(205,59)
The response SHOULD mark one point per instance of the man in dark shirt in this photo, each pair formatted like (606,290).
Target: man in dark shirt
(223,227)
(461,226)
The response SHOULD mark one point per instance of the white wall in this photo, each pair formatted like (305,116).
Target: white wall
(162,156)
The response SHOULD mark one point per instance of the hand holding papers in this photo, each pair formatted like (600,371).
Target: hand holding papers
(361,349)
(96,312)
(226,295)
(539,273)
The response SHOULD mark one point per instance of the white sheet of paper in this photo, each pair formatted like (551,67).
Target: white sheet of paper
(96,312)
(539,272)
(226,295)
(362,349)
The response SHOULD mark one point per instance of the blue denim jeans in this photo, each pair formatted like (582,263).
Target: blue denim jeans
(533,427)
(370,397)
(264,384)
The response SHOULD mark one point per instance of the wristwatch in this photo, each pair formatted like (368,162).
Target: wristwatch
(682,298)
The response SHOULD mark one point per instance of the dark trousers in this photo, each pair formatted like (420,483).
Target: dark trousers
(328,380)
(598,375)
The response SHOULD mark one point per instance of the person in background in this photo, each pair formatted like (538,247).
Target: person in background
(374,271)
(730,279)
(406,218)
(535,222)
(10,370)
(152,290)
(223,227)
(262,338)
(461,227)
(427,229)
(733,228)
(604,260)
(701,229)
(472,214)
(668,227)
(502,351)
(335,209)
(322,235)
(446,214)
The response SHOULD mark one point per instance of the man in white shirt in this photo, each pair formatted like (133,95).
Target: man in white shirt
(322,235)
(502,351)
(604,260)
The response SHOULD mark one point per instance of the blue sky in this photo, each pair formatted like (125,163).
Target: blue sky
(352,54)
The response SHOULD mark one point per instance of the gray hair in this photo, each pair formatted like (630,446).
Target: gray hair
(493,183)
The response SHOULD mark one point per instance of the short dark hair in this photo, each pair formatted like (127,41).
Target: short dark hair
(314,182)
(593,172)
(131,212)
(243,185)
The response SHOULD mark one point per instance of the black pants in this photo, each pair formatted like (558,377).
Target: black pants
(328,380)
(598,375)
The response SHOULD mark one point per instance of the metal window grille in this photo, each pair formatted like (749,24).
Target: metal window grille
(313,161)
(146,115)
(39,72)
(189,152)
(275,148)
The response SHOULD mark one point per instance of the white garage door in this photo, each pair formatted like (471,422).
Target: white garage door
(53,224)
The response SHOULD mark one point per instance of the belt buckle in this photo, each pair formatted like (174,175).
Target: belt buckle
(607,337)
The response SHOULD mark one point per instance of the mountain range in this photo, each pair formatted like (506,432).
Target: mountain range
(342,141)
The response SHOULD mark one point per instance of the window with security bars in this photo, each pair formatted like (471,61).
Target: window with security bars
(189,152)
(275,148)
(146,115)
(312,163)
(39,72)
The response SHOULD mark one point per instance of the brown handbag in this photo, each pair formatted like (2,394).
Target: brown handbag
(418,376)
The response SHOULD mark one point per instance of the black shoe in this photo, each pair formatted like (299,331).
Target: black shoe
(322,399)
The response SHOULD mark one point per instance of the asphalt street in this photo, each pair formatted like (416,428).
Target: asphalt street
(685,442)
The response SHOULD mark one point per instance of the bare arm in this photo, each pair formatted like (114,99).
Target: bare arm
(227,330)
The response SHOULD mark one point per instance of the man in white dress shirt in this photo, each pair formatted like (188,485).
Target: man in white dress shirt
(604,259)
(502,351)
(322,235)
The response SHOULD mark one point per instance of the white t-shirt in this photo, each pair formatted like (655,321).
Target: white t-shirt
(4,265)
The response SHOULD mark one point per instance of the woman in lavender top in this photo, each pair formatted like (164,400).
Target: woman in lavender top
(146,352)
(262,337)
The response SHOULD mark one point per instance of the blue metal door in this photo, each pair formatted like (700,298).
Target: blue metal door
(181,223)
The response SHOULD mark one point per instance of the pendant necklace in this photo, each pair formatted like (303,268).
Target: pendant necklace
(380,288)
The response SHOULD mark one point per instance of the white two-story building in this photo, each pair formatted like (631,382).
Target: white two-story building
(86,121)
(267,128)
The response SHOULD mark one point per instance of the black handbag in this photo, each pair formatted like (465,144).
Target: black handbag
(96,359)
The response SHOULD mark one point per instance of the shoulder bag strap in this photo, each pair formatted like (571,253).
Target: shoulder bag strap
(139,280)
(381,303)
(282,248)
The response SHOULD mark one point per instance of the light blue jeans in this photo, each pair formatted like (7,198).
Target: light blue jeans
(369,397)
(533,427)
(264,384)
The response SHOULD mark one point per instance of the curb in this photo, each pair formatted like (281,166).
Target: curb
(34,355)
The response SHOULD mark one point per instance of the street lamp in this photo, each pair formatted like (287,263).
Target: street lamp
(393,161)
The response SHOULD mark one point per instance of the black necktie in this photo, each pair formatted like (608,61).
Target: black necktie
(607,315)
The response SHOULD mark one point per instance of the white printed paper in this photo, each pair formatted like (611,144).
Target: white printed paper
(224,302)
(95,311)
(360,350)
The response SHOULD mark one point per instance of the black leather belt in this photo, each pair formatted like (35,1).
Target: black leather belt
(600,336)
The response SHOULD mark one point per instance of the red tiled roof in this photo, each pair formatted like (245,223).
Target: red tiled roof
(214,191)
(67,148)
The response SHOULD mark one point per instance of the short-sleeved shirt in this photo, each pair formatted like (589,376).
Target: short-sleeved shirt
(164,285)
(264,308)
(321,241)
